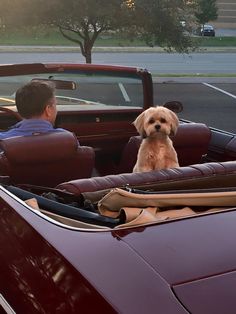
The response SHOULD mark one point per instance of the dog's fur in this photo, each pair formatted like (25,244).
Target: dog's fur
(156,151)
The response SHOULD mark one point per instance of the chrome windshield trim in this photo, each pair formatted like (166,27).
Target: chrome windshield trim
(6,306)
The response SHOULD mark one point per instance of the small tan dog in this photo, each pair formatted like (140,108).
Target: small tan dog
(156,151)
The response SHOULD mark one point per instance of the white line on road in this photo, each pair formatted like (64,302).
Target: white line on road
(220,90)
(124,93)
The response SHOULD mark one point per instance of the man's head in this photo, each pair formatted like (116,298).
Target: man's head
(37,100)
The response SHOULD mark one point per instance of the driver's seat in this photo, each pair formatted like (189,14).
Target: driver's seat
(45,159)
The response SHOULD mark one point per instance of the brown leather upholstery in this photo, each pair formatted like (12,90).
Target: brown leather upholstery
(191,143)
(45,159)
(208,175)
(230,150)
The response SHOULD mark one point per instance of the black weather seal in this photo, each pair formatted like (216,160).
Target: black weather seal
(66,210)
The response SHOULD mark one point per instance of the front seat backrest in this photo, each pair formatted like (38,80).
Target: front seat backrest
(45,159)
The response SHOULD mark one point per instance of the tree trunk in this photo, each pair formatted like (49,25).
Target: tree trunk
(87,49)
(88,57)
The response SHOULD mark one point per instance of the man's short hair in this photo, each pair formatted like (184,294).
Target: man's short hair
(31,99)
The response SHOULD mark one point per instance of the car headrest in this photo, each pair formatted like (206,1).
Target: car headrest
(44,147)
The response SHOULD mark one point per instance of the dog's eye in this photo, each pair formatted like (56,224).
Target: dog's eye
(151,121)
(163,120)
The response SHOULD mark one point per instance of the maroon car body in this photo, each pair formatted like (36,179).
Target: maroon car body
(184,265)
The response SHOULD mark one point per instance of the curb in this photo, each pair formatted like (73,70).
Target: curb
(76,49)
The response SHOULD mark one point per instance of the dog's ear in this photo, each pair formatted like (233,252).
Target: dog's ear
(139,124)
(174,123)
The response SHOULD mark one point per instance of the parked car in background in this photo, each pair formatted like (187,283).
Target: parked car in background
(207,30)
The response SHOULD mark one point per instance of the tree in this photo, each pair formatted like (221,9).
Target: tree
(166,23)
(157,22)
(82,21)
(207,10)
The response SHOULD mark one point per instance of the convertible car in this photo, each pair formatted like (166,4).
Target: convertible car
(81,233)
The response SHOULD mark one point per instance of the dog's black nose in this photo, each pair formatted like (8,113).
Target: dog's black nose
(157,127)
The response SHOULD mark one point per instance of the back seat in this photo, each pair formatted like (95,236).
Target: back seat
(190,142)
(207,175)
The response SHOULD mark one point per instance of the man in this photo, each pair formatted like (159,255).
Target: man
(36,103)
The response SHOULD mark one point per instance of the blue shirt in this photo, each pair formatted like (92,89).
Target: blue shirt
(29,127)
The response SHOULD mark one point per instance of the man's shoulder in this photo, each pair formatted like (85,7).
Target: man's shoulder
(7,134)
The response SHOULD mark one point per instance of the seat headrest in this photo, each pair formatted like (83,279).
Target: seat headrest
(46,147)
(192,134)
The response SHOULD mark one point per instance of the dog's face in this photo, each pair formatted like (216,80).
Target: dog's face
(156,121)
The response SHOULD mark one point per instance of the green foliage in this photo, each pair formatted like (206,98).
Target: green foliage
(207,10)
(159,22)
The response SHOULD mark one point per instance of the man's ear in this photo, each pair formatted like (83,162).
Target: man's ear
(47,113)
(47,110)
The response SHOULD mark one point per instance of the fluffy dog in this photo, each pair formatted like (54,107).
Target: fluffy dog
(156,151)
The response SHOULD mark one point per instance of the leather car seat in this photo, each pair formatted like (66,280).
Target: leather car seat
(190,142)
(45,159)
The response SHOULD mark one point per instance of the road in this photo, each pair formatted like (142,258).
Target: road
(213,104)
(156,63)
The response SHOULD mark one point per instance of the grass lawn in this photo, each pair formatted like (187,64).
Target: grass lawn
(217,41)
(52,37)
